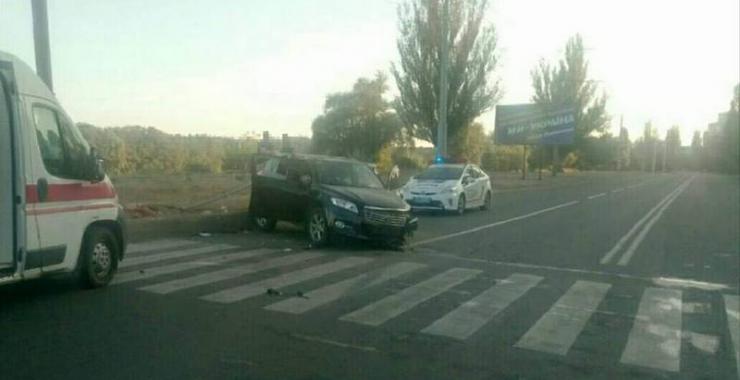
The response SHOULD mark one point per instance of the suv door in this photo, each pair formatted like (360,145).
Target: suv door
(295,193)
(266,196)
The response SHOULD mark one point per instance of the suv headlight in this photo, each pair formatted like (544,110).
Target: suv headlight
(345,204)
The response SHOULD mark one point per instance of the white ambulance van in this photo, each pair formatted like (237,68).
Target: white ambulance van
(58,210)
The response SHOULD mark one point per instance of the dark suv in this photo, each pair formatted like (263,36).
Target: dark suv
(331,196)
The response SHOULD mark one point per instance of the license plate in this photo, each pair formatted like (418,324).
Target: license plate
(422,200)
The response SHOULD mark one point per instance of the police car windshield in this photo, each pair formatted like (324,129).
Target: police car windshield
(339,173)
(441,173)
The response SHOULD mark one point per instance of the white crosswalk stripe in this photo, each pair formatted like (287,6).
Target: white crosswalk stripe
(333,292)
(392,306)
(228,273)
(136,275)
(556,331)
(243,292)
(655,338)
(153,258)
(158,245)
(475,313)
(732,309)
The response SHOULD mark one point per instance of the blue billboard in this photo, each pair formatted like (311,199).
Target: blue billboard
(532,124)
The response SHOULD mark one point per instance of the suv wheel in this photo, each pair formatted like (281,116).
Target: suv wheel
(264,223)
(317,228)
(98,259)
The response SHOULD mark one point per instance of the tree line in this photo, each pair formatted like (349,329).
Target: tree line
(146,150)
(366,124)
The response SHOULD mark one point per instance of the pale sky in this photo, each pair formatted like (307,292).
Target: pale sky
(228,67)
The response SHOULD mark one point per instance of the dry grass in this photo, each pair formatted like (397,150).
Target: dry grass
(167,194)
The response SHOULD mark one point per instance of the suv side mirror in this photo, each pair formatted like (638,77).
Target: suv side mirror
(95,170)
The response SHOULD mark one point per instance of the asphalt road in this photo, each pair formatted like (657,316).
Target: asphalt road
(611,276)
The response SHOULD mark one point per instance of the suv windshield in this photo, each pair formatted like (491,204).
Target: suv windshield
(443,173)
(339,173)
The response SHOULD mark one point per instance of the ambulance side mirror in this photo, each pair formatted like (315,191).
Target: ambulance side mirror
(96,172)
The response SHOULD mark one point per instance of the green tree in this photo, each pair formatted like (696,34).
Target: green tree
(672,148)
(646,146)
(567,85)
(696,154)
(470,143)
(625,146)
(356,123)
(472,90)
(730,143)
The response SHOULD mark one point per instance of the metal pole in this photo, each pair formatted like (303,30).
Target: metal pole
(555,160)
(442,122)
(542,152)
(524,162)
(41,41)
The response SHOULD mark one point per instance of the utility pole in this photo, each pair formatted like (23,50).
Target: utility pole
(442,115)
(655,153)
(665,150)
(620,148)
(41,41)
(524,162)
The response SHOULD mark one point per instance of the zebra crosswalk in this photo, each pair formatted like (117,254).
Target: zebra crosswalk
(227,275)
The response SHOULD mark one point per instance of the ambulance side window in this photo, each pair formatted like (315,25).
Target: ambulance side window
(62,148)
(50,140)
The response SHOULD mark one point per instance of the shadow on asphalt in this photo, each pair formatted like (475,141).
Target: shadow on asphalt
(38,290)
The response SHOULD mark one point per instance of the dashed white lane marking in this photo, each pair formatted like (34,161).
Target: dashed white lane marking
(243,292)
(148,273)
(619,190)
(556,331)
(228,273)
(157,245)
(655,338)
(333,292)
(153,258)
(487,226)
(464,321)
(599,195)
(625,259)
(732,308)
(392,306)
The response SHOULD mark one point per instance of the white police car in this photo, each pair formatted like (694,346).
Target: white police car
(449,187)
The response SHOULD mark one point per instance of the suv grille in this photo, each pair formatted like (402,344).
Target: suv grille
(386,217)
